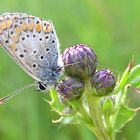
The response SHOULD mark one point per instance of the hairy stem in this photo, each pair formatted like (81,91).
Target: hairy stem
(95,113)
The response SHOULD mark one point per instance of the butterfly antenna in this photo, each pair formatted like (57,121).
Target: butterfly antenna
(59,68)
(8,97)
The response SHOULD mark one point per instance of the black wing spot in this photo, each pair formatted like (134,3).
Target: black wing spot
(16,49)
(53,41)
(34,52)
(23,38)
(15,26)
(37,22)
(40,39)
(42,57)
(33,35)
(6,41)
(20,22)
(47,49)
(34,65)
(46,37)
(27,35)
(21,55)
(11,32)
(45,24)
(15,18)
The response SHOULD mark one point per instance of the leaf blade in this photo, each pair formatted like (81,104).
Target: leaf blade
(124,115)
(134,76)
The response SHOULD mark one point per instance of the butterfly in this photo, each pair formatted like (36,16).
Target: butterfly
(33,44)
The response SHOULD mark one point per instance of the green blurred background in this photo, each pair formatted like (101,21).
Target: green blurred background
(111,28)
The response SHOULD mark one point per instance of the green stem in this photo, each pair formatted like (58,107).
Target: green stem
(109,127)
(77,105)
(85,116)
(95,112)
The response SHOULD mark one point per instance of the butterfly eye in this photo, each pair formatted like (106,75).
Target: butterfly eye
(41,86)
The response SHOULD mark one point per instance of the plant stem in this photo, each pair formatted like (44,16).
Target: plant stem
(77,105)
(95,112)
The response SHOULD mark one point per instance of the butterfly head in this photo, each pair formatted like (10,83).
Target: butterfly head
(49,78)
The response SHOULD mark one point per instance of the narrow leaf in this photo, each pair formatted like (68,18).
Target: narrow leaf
(55,103)
(124,78)
(74,119)
(134,76)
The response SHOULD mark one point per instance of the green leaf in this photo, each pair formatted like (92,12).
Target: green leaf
(72,119)
(134,76)
(124,115)
(55,103)
(123,80)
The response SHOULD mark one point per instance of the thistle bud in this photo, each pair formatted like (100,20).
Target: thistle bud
(80,61)
(71,89)
(103,81)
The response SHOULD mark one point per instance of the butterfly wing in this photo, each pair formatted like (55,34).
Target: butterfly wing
(32,43)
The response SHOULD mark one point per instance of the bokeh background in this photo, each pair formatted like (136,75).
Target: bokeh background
(111,28)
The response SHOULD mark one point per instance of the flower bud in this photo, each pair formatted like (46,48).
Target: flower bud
(80,61)
(104,81)
(71,89)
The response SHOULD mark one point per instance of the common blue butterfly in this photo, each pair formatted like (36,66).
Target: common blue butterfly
(33,44)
